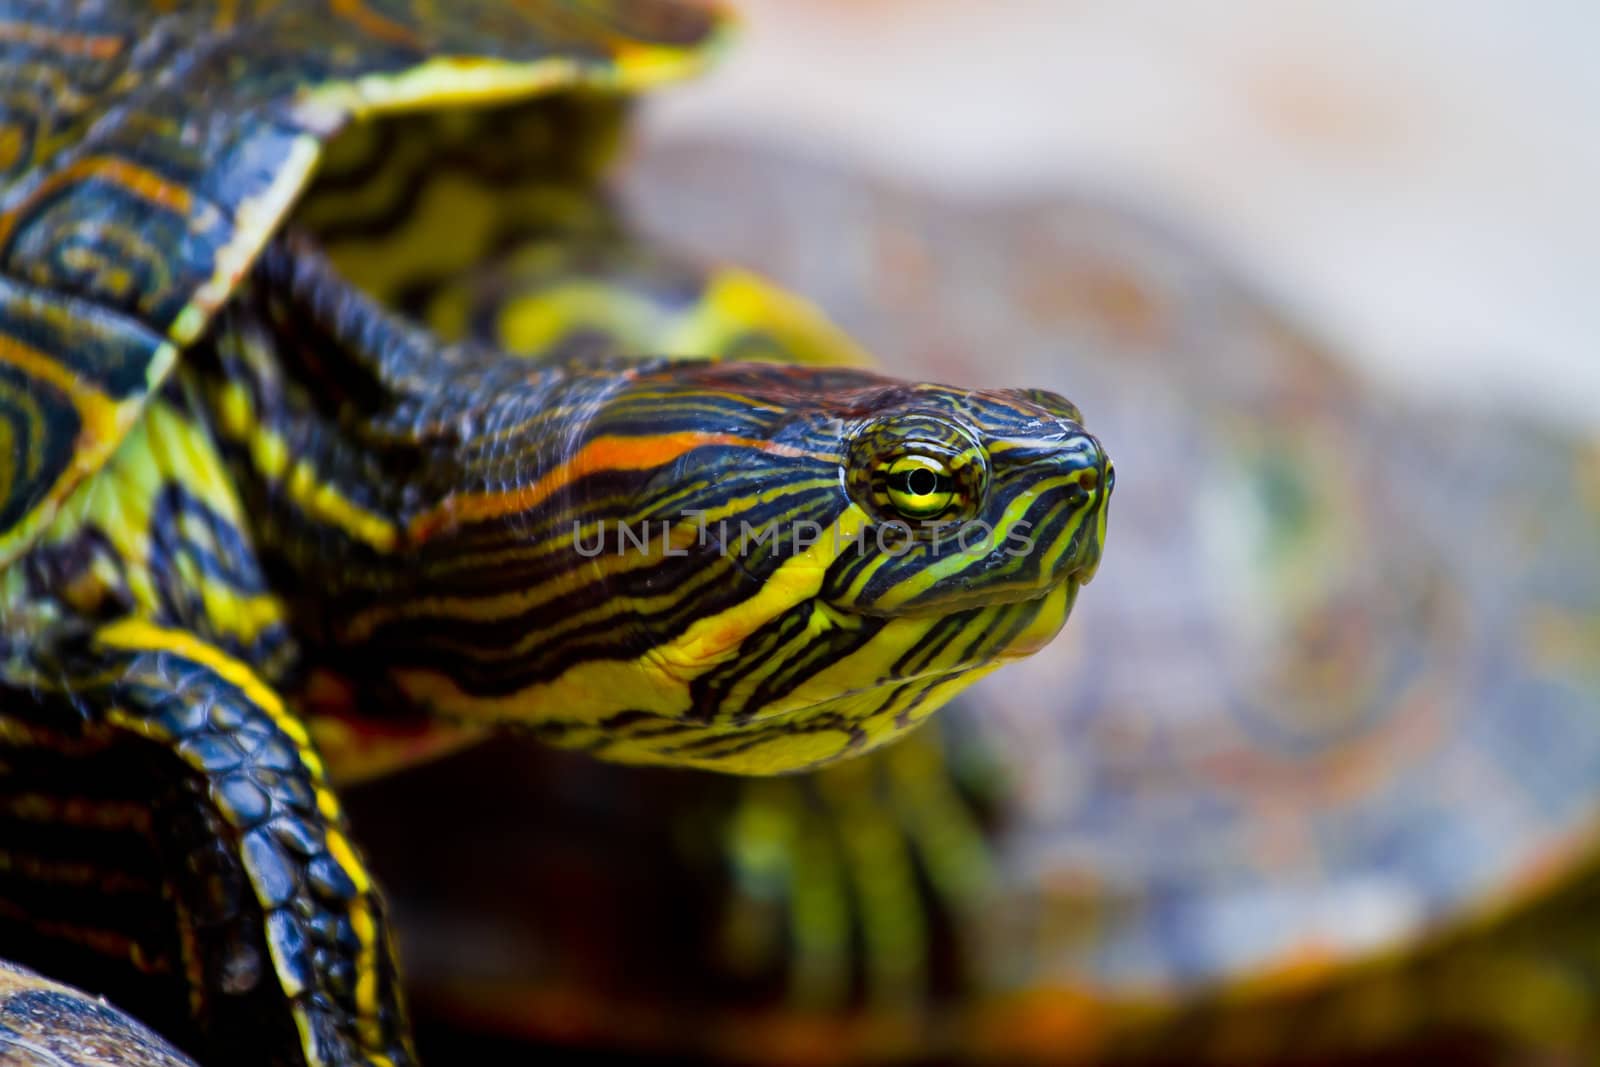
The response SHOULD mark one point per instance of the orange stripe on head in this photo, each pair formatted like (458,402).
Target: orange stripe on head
(601,454)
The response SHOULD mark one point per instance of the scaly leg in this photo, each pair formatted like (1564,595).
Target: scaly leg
(160,806)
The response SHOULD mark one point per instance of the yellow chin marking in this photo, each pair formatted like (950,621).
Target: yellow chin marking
(1051,618)
(786,753)
(815,723)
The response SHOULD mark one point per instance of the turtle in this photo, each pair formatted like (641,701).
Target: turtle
(264,529)
(1311,781)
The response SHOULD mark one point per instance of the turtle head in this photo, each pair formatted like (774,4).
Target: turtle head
(855,550)
(757,568)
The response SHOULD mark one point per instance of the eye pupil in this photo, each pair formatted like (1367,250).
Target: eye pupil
(917,469)
(915,489)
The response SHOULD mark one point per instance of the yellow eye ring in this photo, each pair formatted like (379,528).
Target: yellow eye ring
(919,487)
(917,468)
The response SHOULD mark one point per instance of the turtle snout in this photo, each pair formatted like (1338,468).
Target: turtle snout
(1088,477)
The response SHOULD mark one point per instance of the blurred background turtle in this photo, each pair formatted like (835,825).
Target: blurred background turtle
(1314,778)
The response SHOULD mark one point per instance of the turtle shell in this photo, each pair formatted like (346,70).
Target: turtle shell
(148,151)
(47,1024)
(1314,777)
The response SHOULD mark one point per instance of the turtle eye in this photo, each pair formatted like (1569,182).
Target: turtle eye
(916,469)
(919,487)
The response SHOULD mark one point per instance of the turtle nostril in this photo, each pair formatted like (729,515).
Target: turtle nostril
(1090,479)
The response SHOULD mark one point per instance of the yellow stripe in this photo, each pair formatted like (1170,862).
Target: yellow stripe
(659,681)
(362,923)
(339,848)
(322,500)
(105,423)
(138,635)
(366,963)
(317,498)
(459,79)
(517,601)
(737,302)
(601,454)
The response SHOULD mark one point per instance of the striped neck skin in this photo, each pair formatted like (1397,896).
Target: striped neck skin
(745,567)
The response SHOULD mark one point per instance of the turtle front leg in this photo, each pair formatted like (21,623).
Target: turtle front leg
(271,923)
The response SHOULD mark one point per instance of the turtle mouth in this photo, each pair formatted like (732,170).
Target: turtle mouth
(1049,616)
(1041,616)
(977,600)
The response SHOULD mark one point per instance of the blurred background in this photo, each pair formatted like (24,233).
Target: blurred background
(1416,180)
(1313,773)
